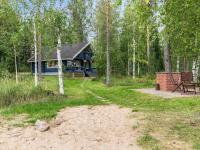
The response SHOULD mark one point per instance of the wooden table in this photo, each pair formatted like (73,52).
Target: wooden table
(187,86)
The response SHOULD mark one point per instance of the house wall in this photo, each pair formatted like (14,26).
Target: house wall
(85,59)
(33,67)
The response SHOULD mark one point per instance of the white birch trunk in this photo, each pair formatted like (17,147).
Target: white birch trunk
(138,69)
(35,46)
(16,68)
(107,44)
(133,59)
(194,72)
(178,64)
(128,73)
(197,67)
(39,58)
(148,45)
(60,73)
(198,59)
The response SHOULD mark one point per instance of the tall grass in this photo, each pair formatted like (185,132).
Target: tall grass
(12,93)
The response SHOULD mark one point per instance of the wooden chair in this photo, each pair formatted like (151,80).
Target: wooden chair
(178,84)
(187,82)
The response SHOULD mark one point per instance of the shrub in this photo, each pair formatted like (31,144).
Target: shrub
(5,74)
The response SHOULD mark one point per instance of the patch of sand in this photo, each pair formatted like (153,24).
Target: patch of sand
(84,128)
(165,94)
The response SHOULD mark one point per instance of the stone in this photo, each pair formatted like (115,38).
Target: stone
(41,126)
(58,121)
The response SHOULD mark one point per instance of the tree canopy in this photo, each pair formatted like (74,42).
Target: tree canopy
(141,28)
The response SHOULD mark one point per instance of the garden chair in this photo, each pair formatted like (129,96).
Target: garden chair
(187,82)
(178,84)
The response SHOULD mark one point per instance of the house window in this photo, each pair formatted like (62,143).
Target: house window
(52,64)
(69,64)
(73,64)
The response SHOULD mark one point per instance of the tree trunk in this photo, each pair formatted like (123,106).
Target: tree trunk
(186,64)
(39,58)
(194,70)
(16,68)
(178,64)
(197,67)
(60,73)
(198,59)
(35,45)
(167,59)
(133,58)
(138,68)
(148,48)
(107,43)
(128,69)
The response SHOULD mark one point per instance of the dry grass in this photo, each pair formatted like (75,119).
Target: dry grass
(172,129)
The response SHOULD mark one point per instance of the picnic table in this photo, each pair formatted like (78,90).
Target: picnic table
(187,87)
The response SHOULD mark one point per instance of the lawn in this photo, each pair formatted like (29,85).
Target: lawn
(167,124)
(173,120)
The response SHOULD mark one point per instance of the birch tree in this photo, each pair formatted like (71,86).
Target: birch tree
(128,67)
(167,59)
(60,73)
(16,67)
(178,64)
(35,52)
(133,60)
(107,12)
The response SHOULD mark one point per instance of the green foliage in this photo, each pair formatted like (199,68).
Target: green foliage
(139,16)
(182,28)
(16,27)
(114,40)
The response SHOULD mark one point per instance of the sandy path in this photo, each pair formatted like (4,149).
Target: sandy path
(84,128)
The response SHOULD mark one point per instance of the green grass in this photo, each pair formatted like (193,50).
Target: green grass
(149,142)
(171,118)
(47,107)
(177,110)
(126,96)
(12,93)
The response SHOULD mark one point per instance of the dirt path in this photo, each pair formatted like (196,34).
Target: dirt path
(84,128)
(102,99)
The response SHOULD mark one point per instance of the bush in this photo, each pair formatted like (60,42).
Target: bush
(5,74)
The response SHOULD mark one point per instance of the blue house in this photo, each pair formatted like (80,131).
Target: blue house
(77,58)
